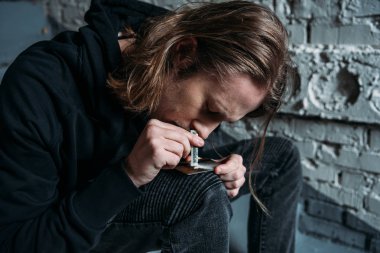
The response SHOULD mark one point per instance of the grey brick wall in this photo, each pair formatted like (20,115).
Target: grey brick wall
(333,116)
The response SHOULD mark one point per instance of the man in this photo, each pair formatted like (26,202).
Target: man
(86,166)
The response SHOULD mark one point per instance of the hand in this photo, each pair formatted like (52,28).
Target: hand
(160,146)
(231,172)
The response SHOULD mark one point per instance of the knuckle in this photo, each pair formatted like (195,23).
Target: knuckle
(173,161)
(232,193)
(239,159)
(154,143)
(151,131)
(183,139)
(152,122)
(236,176)
(155,155)
(181,148)
(159,165)
(185,142)
(232,185)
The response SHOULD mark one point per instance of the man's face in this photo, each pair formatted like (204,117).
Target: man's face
(202,103)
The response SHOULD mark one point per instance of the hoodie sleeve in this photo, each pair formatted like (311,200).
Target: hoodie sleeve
(34,215)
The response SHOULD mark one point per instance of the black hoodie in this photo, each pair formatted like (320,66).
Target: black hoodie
(63,136)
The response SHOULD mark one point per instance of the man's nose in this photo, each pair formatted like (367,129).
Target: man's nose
(204,128)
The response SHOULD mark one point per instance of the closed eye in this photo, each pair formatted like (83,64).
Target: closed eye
(212,111)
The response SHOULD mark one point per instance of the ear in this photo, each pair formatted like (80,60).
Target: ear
(185,52)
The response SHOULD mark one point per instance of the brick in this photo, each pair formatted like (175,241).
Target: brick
(283,10)
(373,203)
(376,187)
(309,129)
(318,171)
(338,195)
(283,129)
(348,158)
(324,210)
(297,33)
(336,133)
(352,180)
(324,34)
(374,139)
(345,134)
(370,161)
(362,221)
(367,161)
(331,230)
(306,148)
(356,34)
(361,8)
(238,130)
(315,9)
(309,192)
(281,126)
(345,34)
(328,153)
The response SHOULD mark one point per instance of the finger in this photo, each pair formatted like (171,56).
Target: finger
(180,139)
(234,175)
(235,184)
(171,160)
(195,140)
(188,158)
(233,162)
(175,147)
(232,193)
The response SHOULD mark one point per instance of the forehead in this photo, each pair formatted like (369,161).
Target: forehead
(238,95)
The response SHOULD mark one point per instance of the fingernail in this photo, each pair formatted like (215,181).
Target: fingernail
(200,141)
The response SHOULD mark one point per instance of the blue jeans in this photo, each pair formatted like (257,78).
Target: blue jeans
(180,213)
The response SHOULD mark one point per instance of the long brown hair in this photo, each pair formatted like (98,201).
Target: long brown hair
(232,37)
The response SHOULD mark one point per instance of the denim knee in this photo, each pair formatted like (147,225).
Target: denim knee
(216,198)
(281,164)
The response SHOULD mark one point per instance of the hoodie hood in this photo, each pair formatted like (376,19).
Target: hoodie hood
(108,17)
(100,52)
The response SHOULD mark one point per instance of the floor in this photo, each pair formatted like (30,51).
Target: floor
(304,243)
(307,244)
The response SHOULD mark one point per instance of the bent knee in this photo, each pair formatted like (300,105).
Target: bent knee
(284,155)
(216,198)
(203,192)
(282,151)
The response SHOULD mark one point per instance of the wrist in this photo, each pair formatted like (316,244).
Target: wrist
(130,173)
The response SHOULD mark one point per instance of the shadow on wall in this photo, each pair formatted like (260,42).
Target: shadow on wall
(323,217)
